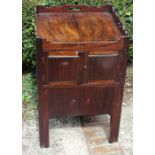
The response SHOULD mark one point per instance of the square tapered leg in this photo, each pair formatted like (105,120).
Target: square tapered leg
(115,115)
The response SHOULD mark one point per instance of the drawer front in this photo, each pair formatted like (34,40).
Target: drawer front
(96,100)
(63,102)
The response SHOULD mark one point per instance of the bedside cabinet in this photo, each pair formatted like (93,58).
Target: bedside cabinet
(81,64)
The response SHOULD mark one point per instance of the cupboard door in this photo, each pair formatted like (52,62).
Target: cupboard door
(96,100)
(103,67)
(63,102)
(62,69)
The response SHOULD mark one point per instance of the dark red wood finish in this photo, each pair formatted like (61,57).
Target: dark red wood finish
(81,64)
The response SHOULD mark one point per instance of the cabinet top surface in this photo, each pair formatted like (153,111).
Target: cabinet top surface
(70,27)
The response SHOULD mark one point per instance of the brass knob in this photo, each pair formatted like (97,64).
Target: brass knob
(73,101)
(88,101)
(85,66)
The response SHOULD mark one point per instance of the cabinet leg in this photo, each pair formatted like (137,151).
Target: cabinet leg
(43,120)
(44,132)
(115,122)
(115,115)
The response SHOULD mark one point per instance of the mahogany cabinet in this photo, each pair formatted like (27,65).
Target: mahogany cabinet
(81,64)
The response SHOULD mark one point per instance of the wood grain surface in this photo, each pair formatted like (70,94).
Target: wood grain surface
(77,27)
(81,64)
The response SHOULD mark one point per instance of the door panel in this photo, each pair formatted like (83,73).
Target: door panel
(103,67)
(63,102)
(62,68)
(96,100)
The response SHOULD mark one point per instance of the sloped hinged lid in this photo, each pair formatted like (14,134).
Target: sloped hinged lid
(88,25)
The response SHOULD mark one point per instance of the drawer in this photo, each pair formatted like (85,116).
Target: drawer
(63,102)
